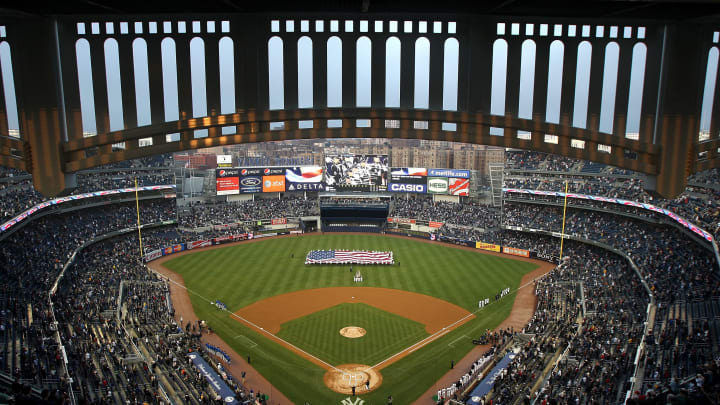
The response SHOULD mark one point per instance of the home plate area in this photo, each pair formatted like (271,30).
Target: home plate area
(344,377)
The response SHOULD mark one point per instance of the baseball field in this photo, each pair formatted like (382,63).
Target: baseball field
(314,333)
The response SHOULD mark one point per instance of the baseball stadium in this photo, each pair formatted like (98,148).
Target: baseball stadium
(360,203)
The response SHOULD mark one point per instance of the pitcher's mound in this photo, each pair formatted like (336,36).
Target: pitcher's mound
(345,376)
(353,332)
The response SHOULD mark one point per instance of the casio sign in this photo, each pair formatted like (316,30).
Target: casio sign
(250,182)
(408,188)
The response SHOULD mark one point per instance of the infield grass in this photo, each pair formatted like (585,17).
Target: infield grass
(319,334)
(241,274)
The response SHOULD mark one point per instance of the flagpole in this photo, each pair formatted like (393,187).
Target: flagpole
(562,233)
(137,207)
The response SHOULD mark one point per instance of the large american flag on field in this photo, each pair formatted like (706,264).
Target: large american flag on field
(348,257)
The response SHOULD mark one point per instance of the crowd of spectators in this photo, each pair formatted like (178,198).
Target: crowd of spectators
(581,343)
(699,203)
(30,260)
(469,214)
(17,193)
(131,350)
(122,343)
(209,213)
(540,171)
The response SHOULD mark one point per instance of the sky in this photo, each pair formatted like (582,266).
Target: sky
(363,48)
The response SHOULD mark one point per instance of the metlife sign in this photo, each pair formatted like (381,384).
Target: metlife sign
(459,174)
(408,188)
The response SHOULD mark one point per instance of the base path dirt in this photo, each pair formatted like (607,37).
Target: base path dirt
(522,311)
(270,313)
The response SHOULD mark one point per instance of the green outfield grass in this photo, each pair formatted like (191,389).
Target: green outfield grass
(247,272)
(319,334)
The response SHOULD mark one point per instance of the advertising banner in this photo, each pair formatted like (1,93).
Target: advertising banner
(408,171)
(401,220)
(153,255)
(221,239)
(251,171)
(407,188)
(456,173)
(273,171)
(250,184)
(356,172)
(229,238)
(198,244)
(516,251)
(434,224)
(459,186)
(487,246)
(273,184)
(278,221)
(408,180)
(227,185)
(178,248)
(221,173)
(304,178)
(437,185)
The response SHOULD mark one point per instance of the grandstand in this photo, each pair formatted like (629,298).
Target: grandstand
(629,313)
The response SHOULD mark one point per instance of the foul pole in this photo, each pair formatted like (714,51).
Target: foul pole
(137,207)
(562,233)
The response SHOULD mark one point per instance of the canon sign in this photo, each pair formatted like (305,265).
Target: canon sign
(407,188)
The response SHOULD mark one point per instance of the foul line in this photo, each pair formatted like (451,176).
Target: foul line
(460,338)
(249,322)
(443,331)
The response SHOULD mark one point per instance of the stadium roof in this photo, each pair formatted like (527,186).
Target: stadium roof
(637,9)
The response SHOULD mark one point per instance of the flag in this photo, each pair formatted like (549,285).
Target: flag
(348,256)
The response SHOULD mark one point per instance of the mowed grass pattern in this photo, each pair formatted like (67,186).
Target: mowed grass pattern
(241,274)
(319,334)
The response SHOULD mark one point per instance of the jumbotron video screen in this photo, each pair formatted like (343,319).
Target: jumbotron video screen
(356,172)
